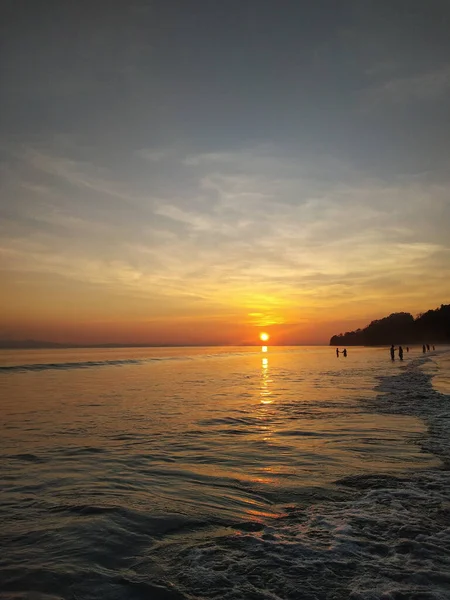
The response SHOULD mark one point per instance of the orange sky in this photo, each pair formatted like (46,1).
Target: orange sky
(56,308)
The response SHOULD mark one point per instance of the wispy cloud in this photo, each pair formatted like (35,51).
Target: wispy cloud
(76,173)
(422,86)
(244,231)
(153,155)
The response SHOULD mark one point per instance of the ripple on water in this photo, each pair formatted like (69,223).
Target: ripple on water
(195,511)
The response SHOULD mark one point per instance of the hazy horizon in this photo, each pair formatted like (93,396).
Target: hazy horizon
(69,345)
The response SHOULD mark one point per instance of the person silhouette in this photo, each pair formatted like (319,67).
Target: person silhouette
(424,349)
(400,353)
(337,352)
(345,352)
(407,348)
(428,347)
(392,351)
(433,347)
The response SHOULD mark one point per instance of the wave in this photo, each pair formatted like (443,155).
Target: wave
(89,364)
(390,541)
(382,537)
(412,393)
(387,538)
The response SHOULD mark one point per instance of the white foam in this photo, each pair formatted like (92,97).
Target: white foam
(391,540)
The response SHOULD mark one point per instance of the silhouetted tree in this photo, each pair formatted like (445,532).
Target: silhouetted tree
(400,328)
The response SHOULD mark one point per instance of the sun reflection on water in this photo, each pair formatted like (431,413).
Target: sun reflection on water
(265,391)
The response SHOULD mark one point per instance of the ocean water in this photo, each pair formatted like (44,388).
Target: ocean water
(201,473)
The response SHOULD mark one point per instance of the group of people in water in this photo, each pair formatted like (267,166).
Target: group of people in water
(425,348)
(400,352)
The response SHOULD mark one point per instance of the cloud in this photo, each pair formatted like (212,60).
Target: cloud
(76,173)
(153,155)
(246,232)
(195,160)
(424,86)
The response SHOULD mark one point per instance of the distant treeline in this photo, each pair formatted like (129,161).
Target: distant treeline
(401,328)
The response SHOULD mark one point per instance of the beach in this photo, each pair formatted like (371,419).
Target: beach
(225,473)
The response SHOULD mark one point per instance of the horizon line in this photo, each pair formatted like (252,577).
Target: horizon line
(42,345)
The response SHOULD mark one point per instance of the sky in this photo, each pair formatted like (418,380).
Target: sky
(196,172)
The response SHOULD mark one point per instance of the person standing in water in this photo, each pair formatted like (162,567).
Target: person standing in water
(424,349)
(345,352)
(392,351)
(400,353)
(337,352)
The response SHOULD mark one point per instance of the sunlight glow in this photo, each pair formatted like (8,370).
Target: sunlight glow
(264,336)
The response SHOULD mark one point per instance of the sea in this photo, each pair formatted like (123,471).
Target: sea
(225,473)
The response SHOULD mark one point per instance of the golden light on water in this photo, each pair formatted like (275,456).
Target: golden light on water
(264,336)
(265,392)
(264,349)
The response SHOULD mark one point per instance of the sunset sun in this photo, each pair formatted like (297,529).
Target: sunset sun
(264,337)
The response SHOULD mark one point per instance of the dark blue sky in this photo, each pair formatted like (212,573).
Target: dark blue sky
(347,77)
